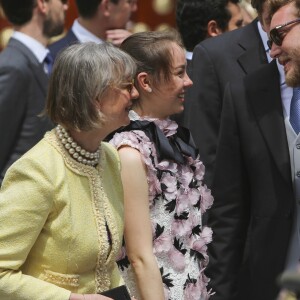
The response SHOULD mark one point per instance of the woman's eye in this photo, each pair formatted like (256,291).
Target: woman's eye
(180,74)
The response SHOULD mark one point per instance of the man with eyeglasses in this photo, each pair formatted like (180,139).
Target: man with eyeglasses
(98,21)
(24,67)
(256,189)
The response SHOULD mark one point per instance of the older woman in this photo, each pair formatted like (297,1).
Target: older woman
(162,176)
(61,204)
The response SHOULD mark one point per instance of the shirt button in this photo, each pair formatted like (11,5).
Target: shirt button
(298,146)
(298,174)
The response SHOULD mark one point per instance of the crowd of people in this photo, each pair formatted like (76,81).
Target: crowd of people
(158,165)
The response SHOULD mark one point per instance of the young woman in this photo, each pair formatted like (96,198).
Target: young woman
(162,177)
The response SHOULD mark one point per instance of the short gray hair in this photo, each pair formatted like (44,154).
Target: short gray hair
(82,73)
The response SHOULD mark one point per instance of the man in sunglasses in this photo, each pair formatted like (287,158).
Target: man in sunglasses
(255,216)
(98,21)
(24,68)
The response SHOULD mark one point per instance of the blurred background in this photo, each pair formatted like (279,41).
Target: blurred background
(151,15)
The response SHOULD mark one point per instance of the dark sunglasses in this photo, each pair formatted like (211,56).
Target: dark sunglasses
(276,36)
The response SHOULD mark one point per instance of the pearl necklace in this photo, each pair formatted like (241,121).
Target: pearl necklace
(77,152)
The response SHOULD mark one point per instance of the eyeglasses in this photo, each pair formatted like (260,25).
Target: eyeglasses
(276,35)
(128,86)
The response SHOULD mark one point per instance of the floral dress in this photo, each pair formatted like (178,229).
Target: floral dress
(177,200)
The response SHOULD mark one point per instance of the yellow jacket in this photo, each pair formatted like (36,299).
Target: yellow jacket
(53,217)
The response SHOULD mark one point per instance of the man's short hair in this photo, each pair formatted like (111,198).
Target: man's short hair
(258,5)
(18,12)
(277,4)
(192,17)
(87,8)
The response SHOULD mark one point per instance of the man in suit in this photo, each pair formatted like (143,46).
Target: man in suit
(216,62)
(256,183)
(23,80)
(98,21)
(199,20)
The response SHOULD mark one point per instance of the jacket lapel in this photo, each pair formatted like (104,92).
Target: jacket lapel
(263,91)
(35,66)
(253,49)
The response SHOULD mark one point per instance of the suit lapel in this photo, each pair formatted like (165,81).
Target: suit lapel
(263,92)
(35,66)
(253,49)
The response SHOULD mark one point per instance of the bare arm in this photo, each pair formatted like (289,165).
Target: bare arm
(138,231)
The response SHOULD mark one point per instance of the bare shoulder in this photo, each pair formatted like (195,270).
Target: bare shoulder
(130,155)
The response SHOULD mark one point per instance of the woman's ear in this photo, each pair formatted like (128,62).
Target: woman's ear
(144,82)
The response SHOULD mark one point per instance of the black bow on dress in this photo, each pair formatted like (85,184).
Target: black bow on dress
(171,148)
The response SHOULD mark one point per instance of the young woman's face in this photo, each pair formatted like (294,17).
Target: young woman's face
(170,94)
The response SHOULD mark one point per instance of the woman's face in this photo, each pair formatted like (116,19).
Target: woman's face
(169,95)
(116,104)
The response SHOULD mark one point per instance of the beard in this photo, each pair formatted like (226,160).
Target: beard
(52,28)
(292,77)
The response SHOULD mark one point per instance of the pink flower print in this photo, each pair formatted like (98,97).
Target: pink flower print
(186,176)
(199,242)
(200,170)
(182,202)
(202,283)
(206,234)
(181,227)
(177,259)
(163,243)
(196,218)
(191,292)
(194,196)
(168,126)
(154,185)
(207,198)
(196,289)
(168,166)
(169,186)
(199,245)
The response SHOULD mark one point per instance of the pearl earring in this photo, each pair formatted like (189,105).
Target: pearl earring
(149,90)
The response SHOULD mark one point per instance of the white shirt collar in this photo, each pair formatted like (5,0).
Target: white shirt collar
(264,37)
(188,55)
(38,49)
(83,34)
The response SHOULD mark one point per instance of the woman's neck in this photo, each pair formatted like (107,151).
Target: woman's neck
(89,140)
(143,111)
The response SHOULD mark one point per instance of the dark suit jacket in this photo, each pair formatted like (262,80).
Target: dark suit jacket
(252,189)
(69,39)
(23,86)
(216,61)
